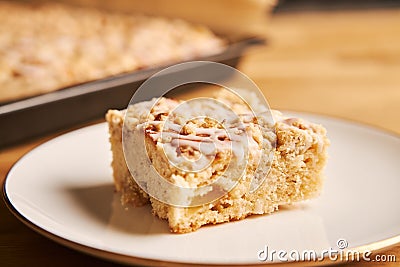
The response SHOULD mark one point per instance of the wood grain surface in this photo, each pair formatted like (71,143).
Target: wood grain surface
(344,64)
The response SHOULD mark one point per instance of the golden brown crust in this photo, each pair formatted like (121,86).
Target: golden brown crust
(131,193)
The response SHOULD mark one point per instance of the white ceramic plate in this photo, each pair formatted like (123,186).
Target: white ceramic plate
(63,189)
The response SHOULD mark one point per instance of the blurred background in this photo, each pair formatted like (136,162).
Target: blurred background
(338,58)
(69,61)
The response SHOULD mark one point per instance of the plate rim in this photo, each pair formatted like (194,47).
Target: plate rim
(377,246)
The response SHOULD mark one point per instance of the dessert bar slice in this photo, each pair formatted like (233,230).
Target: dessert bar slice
(234,166)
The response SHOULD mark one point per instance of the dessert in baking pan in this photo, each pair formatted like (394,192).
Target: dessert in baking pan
(45,47)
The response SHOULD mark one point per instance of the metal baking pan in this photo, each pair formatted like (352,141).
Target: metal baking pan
(32,117)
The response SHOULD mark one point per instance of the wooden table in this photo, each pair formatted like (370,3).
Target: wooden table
(344,64)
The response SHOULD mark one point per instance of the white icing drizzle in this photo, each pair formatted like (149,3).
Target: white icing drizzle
(206,140)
